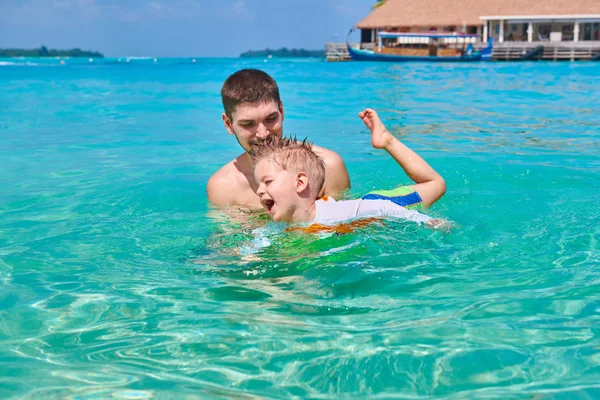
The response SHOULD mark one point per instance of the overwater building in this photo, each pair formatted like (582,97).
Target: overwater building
(549,29)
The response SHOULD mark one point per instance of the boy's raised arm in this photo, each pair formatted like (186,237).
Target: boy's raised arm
(429,184)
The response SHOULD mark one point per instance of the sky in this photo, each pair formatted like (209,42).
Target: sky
(177,28)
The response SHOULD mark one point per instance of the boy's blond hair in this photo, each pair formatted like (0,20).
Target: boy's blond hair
(292,155)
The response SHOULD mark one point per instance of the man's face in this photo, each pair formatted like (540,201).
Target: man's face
(276,189)
(252,121)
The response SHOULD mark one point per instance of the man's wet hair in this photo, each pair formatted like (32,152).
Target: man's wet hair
(292,155)
(248,86)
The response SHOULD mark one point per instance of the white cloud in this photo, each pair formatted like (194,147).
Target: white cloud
(56,13)
(175,9)
(238,10)
(51,12)
(343,7)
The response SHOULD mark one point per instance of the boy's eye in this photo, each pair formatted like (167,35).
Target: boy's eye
(268,181)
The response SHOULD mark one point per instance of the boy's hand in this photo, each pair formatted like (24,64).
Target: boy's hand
(438,223)
(380,137)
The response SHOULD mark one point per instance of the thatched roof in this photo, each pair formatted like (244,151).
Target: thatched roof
(426,13)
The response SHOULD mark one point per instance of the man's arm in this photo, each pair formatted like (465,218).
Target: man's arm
(336,175)
(429,184)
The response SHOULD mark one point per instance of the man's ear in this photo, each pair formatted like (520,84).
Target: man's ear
(301,182)
(281,109)
(228,124)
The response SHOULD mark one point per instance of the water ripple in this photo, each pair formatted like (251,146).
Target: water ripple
(119,281)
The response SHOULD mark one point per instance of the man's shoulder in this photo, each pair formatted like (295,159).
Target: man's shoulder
(336,174)
(224,172)
(216,184)
(220,184)
(330,157)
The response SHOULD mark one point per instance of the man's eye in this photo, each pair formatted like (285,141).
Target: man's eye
(271,119)
(248,125)
(268,181)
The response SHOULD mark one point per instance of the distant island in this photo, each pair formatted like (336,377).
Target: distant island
(284,52)
(45,52)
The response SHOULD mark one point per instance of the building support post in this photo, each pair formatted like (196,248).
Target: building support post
(530,32)
(501,34)
(576,32)
(485,31)
(379,42)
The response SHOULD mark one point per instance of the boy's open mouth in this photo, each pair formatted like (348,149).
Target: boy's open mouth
(268,204)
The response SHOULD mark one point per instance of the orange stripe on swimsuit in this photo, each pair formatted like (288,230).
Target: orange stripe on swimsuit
(339,228)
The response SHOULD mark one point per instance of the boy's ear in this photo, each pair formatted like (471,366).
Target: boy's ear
(301,182)
(228,124)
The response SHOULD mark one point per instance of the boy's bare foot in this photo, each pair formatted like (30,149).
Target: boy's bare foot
(380,137)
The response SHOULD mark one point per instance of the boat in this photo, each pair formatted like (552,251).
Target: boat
(427,46)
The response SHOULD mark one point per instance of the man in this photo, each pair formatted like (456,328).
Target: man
(253,111)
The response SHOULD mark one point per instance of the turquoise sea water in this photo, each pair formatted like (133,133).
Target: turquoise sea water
(116,278)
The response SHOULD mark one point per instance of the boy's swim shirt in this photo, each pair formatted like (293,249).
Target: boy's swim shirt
(330,211)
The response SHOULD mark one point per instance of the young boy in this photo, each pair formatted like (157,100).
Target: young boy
(290,176)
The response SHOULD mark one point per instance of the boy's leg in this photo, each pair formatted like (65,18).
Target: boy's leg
(429,185)
(404,196)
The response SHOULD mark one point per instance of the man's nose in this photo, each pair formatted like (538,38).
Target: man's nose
(262,131)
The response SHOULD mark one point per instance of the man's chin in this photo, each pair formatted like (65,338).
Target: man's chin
(259,143)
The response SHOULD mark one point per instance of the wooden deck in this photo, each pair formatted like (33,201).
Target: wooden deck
(567,51)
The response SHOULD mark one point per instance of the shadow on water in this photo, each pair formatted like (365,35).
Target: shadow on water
(320,274)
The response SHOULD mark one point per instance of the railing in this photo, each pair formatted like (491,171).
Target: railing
(585,50)
(336,52)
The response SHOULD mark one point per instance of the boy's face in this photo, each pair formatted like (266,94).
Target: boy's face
(277,189)
(252,121)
